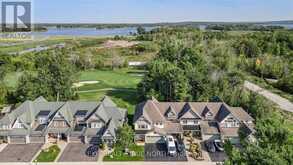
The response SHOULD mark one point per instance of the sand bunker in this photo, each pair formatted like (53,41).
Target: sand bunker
(119,43)
(82,83)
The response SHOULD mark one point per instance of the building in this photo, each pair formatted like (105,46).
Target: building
(40,121)
(208,120)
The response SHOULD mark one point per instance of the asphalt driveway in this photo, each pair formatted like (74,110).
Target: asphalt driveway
(75,152)
(158,152)
(19,152)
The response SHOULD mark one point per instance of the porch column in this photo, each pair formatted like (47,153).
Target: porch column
(27,139)
(68,139)
(85,140)
(46,138)
(58,137)
(8,139)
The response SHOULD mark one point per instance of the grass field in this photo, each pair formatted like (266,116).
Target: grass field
(120,85)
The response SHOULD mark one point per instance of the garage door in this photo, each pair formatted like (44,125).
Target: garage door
(76,139)
(234,140)
(155,139)
(94,140)
(37,139)
(210,137)
(17,139)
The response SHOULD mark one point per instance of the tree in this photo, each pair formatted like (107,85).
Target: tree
(53,79)
(125,136)
(178,73)
(3,93)
(141,30)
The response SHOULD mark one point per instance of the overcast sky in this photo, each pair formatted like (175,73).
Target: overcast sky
(150,11)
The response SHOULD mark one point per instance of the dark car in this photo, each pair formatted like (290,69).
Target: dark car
(219,145)
(180,146)
(210,146)
(92,151)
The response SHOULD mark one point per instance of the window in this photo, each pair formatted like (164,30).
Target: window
(209,114)
(185,122)
(96,125)
(158,123)
(142,126)
(42,120)
(5,127)
(18,125)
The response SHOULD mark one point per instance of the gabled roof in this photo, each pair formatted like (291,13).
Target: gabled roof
(28,112)
(206,111)
(111,128)
(40,99)
(170,110)
(240,114)
(107,102)
(223,113)
(101,113)
(188,112)
(153,110)
(66,113)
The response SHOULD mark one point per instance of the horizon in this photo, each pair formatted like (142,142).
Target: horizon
(200,22)
(160,11)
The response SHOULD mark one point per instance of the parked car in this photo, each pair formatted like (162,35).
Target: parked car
(180,146)
(92,151)
(219,145)
(171,146)
(210,146)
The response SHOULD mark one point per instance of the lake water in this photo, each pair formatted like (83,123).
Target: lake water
(88,31)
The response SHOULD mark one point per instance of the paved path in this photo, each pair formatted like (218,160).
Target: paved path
(283,103)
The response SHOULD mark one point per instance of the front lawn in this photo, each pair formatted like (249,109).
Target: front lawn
(119,155)
(48,155)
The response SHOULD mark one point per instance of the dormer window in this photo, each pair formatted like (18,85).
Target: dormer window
(43,116)
(18,124)
(170,113)
(209,114)
(80,115)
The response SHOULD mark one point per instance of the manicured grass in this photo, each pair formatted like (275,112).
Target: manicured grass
(124,99)
(50,155)
(119,155)
(120,85)
(120,78)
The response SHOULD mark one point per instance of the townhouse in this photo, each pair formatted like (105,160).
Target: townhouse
(40,121)
(208,120)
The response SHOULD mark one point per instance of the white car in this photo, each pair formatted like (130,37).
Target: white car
(171,146)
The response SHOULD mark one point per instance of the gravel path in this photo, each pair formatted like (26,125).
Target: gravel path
(283,103)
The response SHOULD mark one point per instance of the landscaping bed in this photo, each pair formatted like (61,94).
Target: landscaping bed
(136,153)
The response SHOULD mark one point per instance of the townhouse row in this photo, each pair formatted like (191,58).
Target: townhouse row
(40,121)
